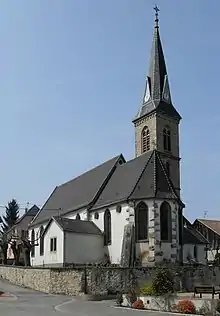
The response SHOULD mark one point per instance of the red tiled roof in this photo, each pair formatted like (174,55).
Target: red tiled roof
(212,224)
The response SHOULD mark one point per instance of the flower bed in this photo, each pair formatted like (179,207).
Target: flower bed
(160,295)
(171,303)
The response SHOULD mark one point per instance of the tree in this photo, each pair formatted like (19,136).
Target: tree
(11,215)
(9,219)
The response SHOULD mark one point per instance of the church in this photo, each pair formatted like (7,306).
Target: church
(127,213)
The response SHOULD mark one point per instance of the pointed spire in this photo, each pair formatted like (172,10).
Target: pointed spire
(157,70)
(157,94)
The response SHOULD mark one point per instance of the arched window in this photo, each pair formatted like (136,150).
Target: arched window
(41,241)
(165,222)
(78,217)
(32,242)
(107,228)
(168,168)
(141,221)
(145,139)
(166,139)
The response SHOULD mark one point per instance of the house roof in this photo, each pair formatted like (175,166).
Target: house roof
(192,236)
(29,213)
(78,192)
(32,211)
(211,224)
(142,177)
(75,226)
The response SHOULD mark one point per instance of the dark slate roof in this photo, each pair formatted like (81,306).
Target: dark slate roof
(212,224)
(77,226)
(142,177)
(32,211)
(192,236)
(157,85)
(186,222)
(77,193)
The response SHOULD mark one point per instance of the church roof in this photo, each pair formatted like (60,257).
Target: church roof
(75,226)
(157,96)
(142,177)
(77,193)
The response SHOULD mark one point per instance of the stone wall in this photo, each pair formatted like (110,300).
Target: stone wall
(38,279)
(97,280)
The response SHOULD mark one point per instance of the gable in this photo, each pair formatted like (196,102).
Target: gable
(154,182)
(79,192)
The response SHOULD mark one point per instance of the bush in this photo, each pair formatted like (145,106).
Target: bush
(163,282)
(139,304)
(147,290)
(186,307)
(119,299)
(218,306)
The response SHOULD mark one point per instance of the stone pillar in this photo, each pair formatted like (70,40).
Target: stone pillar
(158,252)
(151,234)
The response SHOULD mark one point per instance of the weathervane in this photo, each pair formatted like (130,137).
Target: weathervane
(156,9)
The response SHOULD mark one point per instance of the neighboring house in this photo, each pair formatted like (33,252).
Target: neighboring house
(136,204)
(194,246)
(20,229)
(83,242)
(210,229)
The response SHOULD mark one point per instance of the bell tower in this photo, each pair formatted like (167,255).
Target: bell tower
(157,121)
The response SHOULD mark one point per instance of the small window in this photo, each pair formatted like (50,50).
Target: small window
(41,241)
(166,139)
(53,244)
(118,208)
(145,139)
(96,215)
(78,217)
(23,234)
(32,243)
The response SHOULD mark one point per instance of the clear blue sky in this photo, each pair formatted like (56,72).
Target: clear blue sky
(72,77)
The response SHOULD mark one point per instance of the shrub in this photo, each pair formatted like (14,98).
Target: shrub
(119,299)
(163,282)
(138,304)
(147,290)
(218,306)
(186,307)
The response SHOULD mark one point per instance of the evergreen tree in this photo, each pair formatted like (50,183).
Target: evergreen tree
(11,215)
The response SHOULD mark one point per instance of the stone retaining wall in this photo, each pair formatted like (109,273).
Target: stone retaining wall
(100,280)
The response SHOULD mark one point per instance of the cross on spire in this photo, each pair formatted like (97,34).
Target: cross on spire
(156,9)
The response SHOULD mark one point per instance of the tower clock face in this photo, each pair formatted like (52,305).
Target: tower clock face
(166,96)
(147,93)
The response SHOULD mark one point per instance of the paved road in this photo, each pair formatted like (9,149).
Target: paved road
(32,303)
